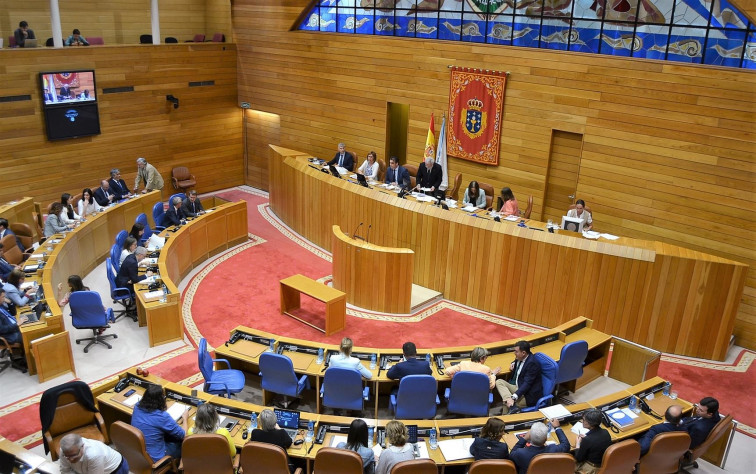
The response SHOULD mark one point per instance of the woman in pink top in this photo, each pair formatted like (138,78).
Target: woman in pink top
(510,203)
(477,363)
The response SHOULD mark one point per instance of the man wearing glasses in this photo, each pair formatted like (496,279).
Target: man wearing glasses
(87,456)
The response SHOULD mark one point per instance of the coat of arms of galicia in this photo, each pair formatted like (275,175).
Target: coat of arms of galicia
(473,118)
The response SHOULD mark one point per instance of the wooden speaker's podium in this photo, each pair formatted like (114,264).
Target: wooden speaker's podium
(373,277)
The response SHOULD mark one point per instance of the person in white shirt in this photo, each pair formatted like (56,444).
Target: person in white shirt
(474,196)
(129,246)
(88,456)
(87,204)
(369,167)
(345,360)
(580,213)
(69,216)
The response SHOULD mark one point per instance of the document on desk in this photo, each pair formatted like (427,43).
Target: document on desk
(146,262)
(511,218)
(155,242)
(424,198)
(132,400)
(454,449)
(469,208)
(555,411)
(336,439)
(579,429)
(177,409)
(609,236)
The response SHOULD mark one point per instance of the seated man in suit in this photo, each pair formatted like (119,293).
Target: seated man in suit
(117,185)
(174,215)
(192,207)
(672,418)
(525,387)
(129,272)
(411,365)
(343,158)
(429,176)
(103,195)
(702,422)
(5,230)
(397,174)
(522,454)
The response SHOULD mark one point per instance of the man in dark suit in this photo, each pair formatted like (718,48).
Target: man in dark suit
(672,418)
(591,446)
(429,175)
(704,420)
(117,185)
(192,207)
(129,272)
(521,454)
(174,215)
(411,365)
(525,387)
(397,174)
(343,158)
(103,195)
(5,230)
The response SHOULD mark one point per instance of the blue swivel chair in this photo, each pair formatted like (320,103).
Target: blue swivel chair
(142,219)
(122,296)
(121,238)
(180,195)
(416,399)
(158,212)
(115,257)
(277,372)
(87,313)
(218,382)
(548,376)
(343,389)
(469,394)
(571,362)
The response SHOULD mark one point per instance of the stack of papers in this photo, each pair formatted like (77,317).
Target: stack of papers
(512,218)
(555,411)
(132,400)
(150,295)
(589,234)
(579,429)
(424,198)
(155,242)
(622,417)
(609,236)
(177,409)
(454,449)
(469,208)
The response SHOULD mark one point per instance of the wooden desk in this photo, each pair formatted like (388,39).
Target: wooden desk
(37,462)
(639,290)
(21,212)
(334,300)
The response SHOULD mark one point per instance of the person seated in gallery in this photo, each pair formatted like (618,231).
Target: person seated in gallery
(409,365)
(397,174)
(129,272)
(117,185)
(174,215)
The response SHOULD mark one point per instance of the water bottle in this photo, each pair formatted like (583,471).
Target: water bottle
(320,356)
(634,403)
(164,298)
(427,358)
(372,361)
(252,422)
(433,440)
(271,347)
(667,388)
(310,431)
(370,436)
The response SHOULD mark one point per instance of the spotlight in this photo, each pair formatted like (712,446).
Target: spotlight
(172,99)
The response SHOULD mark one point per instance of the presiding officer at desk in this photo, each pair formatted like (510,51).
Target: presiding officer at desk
(397,174)
(343,158)
(129,272)
(522,454)
(525,387)
(174,215)
(192,207)
(429,175)
(411,365)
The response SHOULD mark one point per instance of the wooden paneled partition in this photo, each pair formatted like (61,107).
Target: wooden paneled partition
(668,148)
(204,133)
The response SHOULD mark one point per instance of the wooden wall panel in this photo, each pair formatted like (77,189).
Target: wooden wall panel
(205,131)
(668,150)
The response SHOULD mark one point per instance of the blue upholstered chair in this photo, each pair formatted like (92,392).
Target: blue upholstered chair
(158,211)
(277,372)
(571,361)
(179,195)
(343,389)
(416,398)
(122,296)
(469,394)
(218,382)
(115,257)
(142,219)
(121,238)
(548,377)
(87,312)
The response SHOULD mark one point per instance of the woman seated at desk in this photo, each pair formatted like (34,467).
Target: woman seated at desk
(474,196)
(345,360)
(207,421)
(510,203)
(75,284)
(489,445)
(269,431)
(54,223)
(137,231)
(398,449)
(477,363)
(68,215)
(369,167)
(162,435)
(129,246)
(581,213)
(357,441)
(13,288)
(87,204)
(9,329)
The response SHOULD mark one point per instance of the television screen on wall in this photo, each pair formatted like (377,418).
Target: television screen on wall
(70,104)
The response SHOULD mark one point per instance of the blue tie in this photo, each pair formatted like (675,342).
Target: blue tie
(341,160)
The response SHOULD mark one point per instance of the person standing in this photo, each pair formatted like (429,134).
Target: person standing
(429,176)
(147,174)
(23,33)
(88,456)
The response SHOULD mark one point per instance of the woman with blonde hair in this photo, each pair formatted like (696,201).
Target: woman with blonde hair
(207,421)
(398,449)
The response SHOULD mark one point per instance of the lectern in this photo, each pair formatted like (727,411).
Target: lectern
(373,277)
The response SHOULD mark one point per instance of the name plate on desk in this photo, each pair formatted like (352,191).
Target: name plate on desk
(153,295)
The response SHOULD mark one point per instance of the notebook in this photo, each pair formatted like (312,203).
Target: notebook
(288,420)
(30,43)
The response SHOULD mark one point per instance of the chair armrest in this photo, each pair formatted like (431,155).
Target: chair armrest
(102,427)
(191,176)
(490,398)
(162,461)
(366,393)
(392,400)
(110,316)
(122,293)
(438,402)
(302,383)
(298,471)
(223,360)
(181,466)
(48,438)
(447,392)
(158,228)
(174,180)
(235,462)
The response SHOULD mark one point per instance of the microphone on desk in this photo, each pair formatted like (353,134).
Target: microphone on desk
(367,239)
(354,234)
(470,431)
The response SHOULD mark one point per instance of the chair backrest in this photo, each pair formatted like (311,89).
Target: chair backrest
(129,441)
(50,43)
(342,388)
(24,233)
(109,270)
(74,201)
(115,257)
(529,208)
(205,361)
(264,457)
(121,238)
(11,253)
(178,195)
(415,466)
(548,372)
(158,211)
(412,170)
(170,39)
(199,38)
(37,218)
(381,170)
(489,193)
(203,453)
(620,458)
(469,394)
(142,219)
(493,466)
(552,463)
(416,399)
(95,40)
(181,173)
(454,193)
(714,435)
(277,373)
(73,411)
(219,38)
(12,41)
(87,310)
(338,461)
(572,206)
(664,454)
(571,361)
(145,39)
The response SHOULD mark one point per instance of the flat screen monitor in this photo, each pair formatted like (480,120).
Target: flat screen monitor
(74,121)
(67,88)
(574,224)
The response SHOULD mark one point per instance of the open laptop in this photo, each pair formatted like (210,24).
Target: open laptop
(288,420)
(334,171)
(30,43)
(362,180)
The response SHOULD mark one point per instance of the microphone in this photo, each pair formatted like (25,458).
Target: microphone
(354,234)
(367,239)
